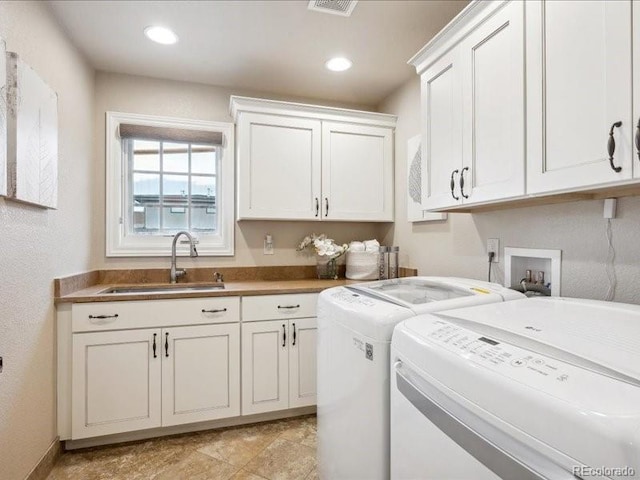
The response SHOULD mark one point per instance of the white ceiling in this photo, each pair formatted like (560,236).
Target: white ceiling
(270,46)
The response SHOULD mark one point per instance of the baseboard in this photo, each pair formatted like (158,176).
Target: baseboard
(188,428)
(42,470)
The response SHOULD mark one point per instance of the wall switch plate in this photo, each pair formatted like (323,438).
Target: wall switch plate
(493,245)
(268,244)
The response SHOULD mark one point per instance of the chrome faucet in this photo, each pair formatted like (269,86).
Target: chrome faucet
(179,272)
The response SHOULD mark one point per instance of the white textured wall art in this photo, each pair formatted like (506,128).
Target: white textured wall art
(3,118)
(415,212)
(32,126)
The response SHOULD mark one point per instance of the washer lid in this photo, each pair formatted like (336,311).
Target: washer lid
(365,315)
(418,293)
(596,335)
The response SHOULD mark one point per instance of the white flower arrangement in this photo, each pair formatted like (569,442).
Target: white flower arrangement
(323,246)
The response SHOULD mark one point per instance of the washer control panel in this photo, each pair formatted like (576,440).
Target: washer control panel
(492,353)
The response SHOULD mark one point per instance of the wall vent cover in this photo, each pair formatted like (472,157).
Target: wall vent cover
(335,7)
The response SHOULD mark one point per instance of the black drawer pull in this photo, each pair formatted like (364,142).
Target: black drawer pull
(219,310)
(611,146)
(103,316)
(294,334)
(317,206)
(287,307)
(284,335)
(154,345)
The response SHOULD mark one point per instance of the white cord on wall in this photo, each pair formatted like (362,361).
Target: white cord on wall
(610,267)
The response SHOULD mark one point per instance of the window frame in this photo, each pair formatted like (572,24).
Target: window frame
(119,243)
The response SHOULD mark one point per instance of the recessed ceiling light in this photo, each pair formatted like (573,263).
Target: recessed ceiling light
(338,64)
(161,35)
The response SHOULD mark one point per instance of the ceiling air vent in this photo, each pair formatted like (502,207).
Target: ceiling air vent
(335,7)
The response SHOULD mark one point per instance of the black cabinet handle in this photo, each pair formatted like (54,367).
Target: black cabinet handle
(284,335)
(462,182)
(103,316)
(294,334)
(611,146)
(317,206)
(219,310)
(452,185)
(326,204)
(154,345)
(288,306)
(638,138)
(166,344)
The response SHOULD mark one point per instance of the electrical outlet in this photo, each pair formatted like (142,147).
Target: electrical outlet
(268,244)
(493,245)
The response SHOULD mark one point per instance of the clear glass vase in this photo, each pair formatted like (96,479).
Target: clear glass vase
(326,267)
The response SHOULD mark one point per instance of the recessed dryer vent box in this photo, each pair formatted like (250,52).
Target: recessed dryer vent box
(518,260)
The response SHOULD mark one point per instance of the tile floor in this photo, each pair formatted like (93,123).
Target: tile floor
(279,450)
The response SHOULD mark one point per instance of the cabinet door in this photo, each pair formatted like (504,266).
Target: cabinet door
(116,382)
(278,167)
(578,86)
(265,367)
(302,362)
(442,127)
(200,373)
(492,62)
(357,172)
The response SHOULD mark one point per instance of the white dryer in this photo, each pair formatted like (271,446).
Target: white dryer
(539,389)
(355,325)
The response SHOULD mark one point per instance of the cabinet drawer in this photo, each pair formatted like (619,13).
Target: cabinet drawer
(90,317)
(273,307)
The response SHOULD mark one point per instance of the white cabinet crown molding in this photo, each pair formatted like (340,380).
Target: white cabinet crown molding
(260,105)
(466,21)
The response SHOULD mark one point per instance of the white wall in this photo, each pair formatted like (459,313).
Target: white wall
(37,245)
(457,246)
(133,94)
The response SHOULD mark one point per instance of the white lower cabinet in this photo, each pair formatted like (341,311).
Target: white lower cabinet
(303,362)
(200,373)
(278,365)
(137,379)
(265,367)
(137,365)
(126,378)
(116,382)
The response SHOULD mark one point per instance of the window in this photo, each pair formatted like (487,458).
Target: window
(166,175)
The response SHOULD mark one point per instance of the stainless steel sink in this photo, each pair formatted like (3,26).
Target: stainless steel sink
(164,289)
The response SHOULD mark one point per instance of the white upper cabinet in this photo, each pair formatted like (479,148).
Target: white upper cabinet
(526,100)
(579,84)
(473,112)
(442,129)
(357,172)
(279,171)
(493,114)
(305,162)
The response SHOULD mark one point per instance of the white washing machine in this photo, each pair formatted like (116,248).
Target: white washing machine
(355,325)
(539,389)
